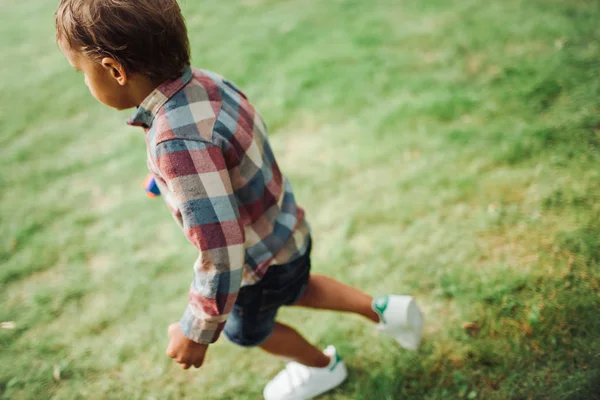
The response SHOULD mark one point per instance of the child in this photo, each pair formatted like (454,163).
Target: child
(208,151)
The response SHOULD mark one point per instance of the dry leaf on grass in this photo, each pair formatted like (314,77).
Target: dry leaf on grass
(471,328)
(8,325)
(526,329)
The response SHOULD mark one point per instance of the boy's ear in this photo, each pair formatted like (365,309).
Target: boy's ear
(115,69)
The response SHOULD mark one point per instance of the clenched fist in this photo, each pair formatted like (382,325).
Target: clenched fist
(183,350)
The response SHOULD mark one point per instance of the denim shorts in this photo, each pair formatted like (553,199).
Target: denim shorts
(252,319)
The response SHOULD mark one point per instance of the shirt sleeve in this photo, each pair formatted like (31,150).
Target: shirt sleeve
(198,180)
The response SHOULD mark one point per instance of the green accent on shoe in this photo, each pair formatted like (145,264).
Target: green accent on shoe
(338,359)
(379,306)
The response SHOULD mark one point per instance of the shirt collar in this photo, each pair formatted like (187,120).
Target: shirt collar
(145,112)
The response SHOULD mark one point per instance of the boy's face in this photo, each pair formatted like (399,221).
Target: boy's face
(106,80)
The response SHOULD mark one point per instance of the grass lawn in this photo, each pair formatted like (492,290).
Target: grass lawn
(445,148)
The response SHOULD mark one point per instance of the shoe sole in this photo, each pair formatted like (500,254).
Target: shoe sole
(316,393)
(408,330)
(414,320)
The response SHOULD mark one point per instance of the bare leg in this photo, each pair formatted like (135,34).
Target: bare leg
(322,293)
(328,294)
(286,343)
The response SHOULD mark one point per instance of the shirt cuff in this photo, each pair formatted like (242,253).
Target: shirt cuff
(201,329)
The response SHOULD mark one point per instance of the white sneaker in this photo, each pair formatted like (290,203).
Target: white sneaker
(400,318)
(299,382)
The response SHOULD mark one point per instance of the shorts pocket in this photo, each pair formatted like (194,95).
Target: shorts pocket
(248,301)
(287,292)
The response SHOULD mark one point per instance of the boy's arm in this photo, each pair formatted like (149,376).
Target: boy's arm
(196,174)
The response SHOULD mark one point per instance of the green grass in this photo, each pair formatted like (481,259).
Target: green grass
(446,148)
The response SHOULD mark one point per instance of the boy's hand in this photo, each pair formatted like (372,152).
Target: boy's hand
(183,350)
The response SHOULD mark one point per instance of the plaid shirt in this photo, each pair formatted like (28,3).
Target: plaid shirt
(210,156)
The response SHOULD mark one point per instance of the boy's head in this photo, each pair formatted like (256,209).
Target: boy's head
(121,44)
